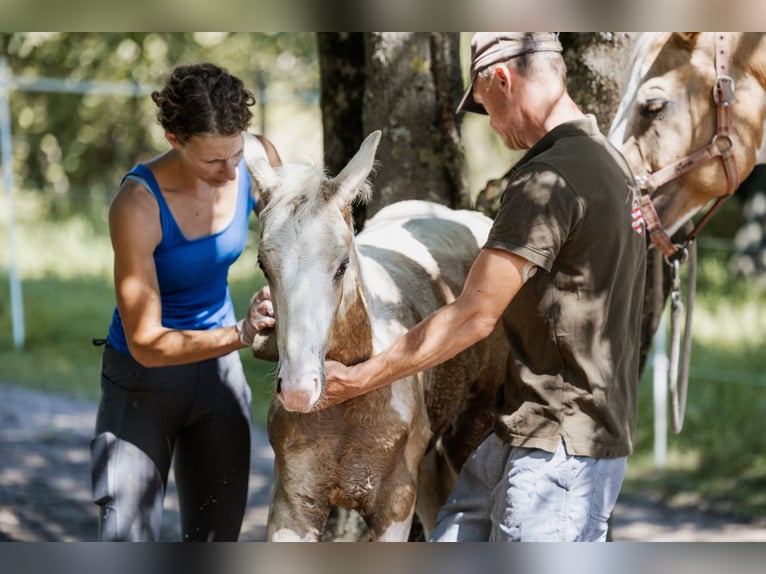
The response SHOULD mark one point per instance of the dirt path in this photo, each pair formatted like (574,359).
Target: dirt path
(45,483)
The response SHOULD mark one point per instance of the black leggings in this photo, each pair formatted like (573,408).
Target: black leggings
(198,414)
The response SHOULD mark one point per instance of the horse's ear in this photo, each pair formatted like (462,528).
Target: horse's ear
(688,38)
(352,178)
(265,179)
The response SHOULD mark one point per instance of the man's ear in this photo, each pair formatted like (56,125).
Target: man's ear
(502,74)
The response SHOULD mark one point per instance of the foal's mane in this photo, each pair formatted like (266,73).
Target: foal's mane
(305,189)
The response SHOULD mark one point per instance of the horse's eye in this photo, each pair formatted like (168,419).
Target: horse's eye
(653,107)
(341,270)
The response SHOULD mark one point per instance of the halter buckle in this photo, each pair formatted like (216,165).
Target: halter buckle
(725,85)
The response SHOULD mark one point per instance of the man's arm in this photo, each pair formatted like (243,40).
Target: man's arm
(494,279)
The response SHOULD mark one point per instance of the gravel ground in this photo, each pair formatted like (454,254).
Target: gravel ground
(45,483)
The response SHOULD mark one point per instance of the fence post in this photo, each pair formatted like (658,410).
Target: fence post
(17,305)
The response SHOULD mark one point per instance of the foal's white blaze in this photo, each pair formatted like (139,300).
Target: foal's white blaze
(307,280)
(305,242)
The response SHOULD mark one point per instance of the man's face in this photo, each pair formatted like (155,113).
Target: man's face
(495,92)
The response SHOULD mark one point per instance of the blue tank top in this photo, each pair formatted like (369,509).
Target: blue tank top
(192,273)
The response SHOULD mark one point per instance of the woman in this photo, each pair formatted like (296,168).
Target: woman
(172,382)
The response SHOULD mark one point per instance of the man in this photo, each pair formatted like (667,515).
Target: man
(564,270)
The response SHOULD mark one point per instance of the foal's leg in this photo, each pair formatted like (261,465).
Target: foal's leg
(293,518)
(389,516)
(394,531)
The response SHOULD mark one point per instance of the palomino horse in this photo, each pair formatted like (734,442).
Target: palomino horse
(691,119)
(396,450)
(690,124)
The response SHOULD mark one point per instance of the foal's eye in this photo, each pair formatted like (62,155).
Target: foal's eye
(341,270)
(652,107)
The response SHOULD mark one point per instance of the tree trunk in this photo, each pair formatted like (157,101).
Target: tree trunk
(407,85)
(413,87)
(342,83)
(596,63)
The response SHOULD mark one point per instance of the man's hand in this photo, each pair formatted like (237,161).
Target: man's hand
(340,385)
(260,315)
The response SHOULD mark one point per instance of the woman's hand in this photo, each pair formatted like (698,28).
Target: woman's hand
(260,316)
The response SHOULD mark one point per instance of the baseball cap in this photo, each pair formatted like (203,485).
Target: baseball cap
(488,48)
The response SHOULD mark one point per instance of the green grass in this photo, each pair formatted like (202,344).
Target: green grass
(717,461)
(68,300)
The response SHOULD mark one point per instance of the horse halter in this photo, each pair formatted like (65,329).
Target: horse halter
(721,145)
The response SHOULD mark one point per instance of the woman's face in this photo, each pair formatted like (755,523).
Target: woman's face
(212,158)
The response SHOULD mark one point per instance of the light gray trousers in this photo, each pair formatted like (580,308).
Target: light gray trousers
(507,493)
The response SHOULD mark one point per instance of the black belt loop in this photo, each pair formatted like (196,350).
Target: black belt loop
(99,342)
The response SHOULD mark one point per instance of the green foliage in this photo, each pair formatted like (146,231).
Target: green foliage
(75,147)
(718,460)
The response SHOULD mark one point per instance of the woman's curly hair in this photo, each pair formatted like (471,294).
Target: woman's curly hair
(203,99)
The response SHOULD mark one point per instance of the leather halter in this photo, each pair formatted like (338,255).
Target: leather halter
(721,145)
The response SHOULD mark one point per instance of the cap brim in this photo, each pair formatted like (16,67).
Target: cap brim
(468,104)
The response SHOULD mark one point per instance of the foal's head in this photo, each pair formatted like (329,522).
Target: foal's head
(307,255)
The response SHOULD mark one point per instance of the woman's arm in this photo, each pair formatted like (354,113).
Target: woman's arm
(135,230)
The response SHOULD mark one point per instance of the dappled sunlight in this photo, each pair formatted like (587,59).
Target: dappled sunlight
(737,325)
(641,465)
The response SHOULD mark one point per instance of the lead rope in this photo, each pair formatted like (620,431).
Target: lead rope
(678,385)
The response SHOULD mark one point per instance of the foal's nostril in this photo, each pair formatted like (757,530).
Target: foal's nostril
(279,385)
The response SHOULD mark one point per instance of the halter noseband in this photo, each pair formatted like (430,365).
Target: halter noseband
(721,145)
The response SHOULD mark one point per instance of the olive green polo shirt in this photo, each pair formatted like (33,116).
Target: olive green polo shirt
(574,326)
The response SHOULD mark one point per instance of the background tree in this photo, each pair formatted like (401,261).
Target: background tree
(408,85)
(74,147)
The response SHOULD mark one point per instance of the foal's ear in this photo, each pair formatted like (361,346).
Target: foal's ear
(265,179)
(352,178)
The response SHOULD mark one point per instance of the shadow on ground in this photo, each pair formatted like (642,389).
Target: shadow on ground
(45,483)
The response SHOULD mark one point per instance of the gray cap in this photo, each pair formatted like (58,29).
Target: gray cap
(488,48)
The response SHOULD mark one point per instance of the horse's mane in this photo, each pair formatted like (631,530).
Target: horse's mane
(639,50)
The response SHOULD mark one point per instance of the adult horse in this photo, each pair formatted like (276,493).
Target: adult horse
(691,120)
(690,124)
(394,451)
